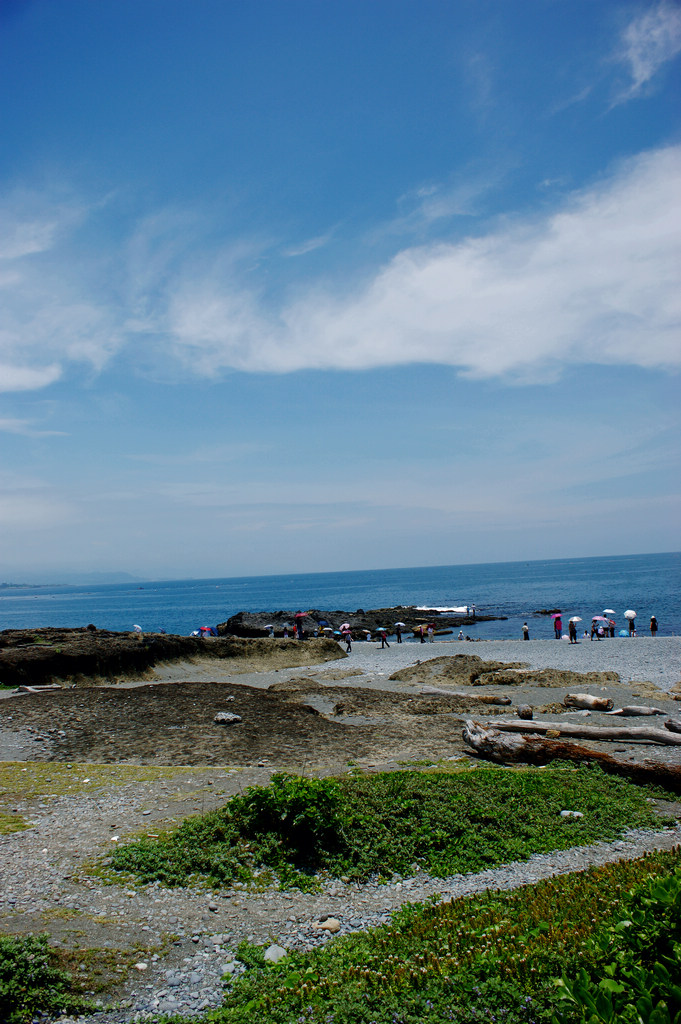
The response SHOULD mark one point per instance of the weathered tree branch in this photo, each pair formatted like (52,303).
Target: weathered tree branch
(643,733)
(505,748)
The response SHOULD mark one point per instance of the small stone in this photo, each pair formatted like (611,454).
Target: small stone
(141,966)
(226,718)
(571,814)
(330,924)
(525,712)
(274,953)
(213,907)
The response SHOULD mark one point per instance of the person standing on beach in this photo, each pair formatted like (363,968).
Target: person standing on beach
(572,631)
(347,636)
(653,626)
(526,631)
(398,634)
(431,632)
(632,628)
(422,634)
(558,627)
(384,639)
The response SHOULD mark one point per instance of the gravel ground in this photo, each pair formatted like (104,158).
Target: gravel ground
(187,937)
(640,658)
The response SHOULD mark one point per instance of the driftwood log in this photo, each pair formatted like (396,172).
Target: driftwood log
(636,710)
(586,701)
(639,733)
(482,698)
(505,748)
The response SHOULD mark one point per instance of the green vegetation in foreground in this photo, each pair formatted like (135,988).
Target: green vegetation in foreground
(383,824)
(32,982)
(595,947)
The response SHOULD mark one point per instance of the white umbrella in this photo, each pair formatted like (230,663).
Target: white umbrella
(629,614)
(575,618)
(268,626)
(402,624)
(345,625)
(609,611)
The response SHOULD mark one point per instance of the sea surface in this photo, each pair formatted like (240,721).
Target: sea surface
(648,584)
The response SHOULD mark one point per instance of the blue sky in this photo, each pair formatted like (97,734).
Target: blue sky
(300,285)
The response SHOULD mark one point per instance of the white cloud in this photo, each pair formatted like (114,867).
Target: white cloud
(26,428)
(24,378)
(49,319)
(594,281)
(310,245)
(598,281)
(648,43)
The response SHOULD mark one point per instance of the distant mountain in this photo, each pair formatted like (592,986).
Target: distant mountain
(54,579)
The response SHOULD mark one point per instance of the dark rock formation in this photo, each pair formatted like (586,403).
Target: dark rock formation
(252,624)
(37,656)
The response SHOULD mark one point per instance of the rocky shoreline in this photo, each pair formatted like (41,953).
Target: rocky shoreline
(141,756)
(361,622)
(85,656)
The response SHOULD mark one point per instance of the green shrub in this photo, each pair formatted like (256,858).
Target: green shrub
(383,824)
(30,981)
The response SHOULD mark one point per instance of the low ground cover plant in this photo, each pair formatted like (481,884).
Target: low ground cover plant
(31,981)
(594,947)
(390,823)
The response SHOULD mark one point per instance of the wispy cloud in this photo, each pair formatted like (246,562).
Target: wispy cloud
(50,318)
(26,428)
(647,44)
(310,245)
(596,281)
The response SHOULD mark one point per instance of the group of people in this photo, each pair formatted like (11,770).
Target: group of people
(600,628)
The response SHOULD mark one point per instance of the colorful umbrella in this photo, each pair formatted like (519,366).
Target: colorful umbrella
(598,618)
(345,625)
(556,615)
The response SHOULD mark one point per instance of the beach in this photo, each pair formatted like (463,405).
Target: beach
(88,766)
(641,658)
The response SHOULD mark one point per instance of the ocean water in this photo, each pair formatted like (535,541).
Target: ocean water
(649,584)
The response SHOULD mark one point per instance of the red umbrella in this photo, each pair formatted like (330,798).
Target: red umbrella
(345,625)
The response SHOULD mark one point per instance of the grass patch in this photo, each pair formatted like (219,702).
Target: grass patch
(600,946)
(12,823)
(390,823)
(51,778)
